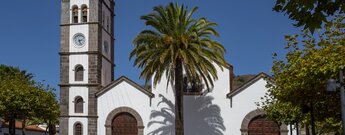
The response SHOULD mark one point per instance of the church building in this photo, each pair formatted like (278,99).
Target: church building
(93,102)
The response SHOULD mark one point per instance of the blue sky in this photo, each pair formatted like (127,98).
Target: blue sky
(249,30)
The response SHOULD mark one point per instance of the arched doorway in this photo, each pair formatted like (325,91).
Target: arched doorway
(126,114)
(261,125)
(255,122)
(124,124)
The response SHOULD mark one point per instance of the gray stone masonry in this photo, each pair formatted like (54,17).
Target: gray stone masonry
(94,63)
(92,126)
(63,126)
(64,67)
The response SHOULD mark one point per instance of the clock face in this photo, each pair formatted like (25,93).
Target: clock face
(79,39)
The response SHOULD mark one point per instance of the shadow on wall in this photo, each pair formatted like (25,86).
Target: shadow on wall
(202,117)
(164,118)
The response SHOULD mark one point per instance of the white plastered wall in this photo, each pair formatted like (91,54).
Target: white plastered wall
(106,72)
(106,18)
(75,60)
(106,65)
(107,2)
(73,120)
(84,29)
(122,95)
(78,92)
(245,102)
(197,109)
(106,38)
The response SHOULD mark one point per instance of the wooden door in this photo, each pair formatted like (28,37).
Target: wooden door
(263,126)
(124,124)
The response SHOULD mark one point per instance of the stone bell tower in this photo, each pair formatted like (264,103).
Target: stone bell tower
(86,62)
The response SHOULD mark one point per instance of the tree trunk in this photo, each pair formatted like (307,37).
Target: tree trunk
(23,126)
(297,129)
(52,129)
(290,129)
(179,126)
(12,124)
(312,120)
(307,129)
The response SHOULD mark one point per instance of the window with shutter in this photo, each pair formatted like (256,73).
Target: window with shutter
(78,129)
(79,73)
(78,108)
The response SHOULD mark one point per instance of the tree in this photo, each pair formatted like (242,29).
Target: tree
(47,108)
(175,45)
(15,86)
(299,92)
(21,98)
(310,13)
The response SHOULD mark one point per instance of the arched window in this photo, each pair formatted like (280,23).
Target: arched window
(78,129)
(79,73)
(78,105)
(103,18)
(84,13)
(108,21)
(75,14)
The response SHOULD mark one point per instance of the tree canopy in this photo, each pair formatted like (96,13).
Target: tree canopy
(310,13)
(21,98)
(300,79)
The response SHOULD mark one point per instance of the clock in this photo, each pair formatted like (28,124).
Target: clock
(79,39)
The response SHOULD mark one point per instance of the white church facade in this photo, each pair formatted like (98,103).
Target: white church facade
(94,103)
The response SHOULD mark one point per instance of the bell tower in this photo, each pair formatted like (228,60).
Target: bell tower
(86,62)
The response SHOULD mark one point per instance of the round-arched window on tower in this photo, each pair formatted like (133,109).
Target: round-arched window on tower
(75,14)
(79,73)
(78,129)
(84,13)
(78,105)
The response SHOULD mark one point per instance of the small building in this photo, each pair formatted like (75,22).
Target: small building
(30,129)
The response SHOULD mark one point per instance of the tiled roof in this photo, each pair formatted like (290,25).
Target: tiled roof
(29,127)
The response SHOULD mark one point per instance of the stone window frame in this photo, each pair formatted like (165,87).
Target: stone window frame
(255,113)
(75,14)
(76,107)
(75,126)
(115,112)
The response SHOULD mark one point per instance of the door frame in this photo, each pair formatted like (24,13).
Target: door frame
(119,110)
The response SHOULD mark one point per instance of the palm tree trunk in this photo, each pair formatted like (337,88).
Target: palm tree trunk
(179,126)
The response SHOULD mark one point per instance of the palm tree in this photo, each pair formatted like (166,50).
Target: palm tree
(177,44)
